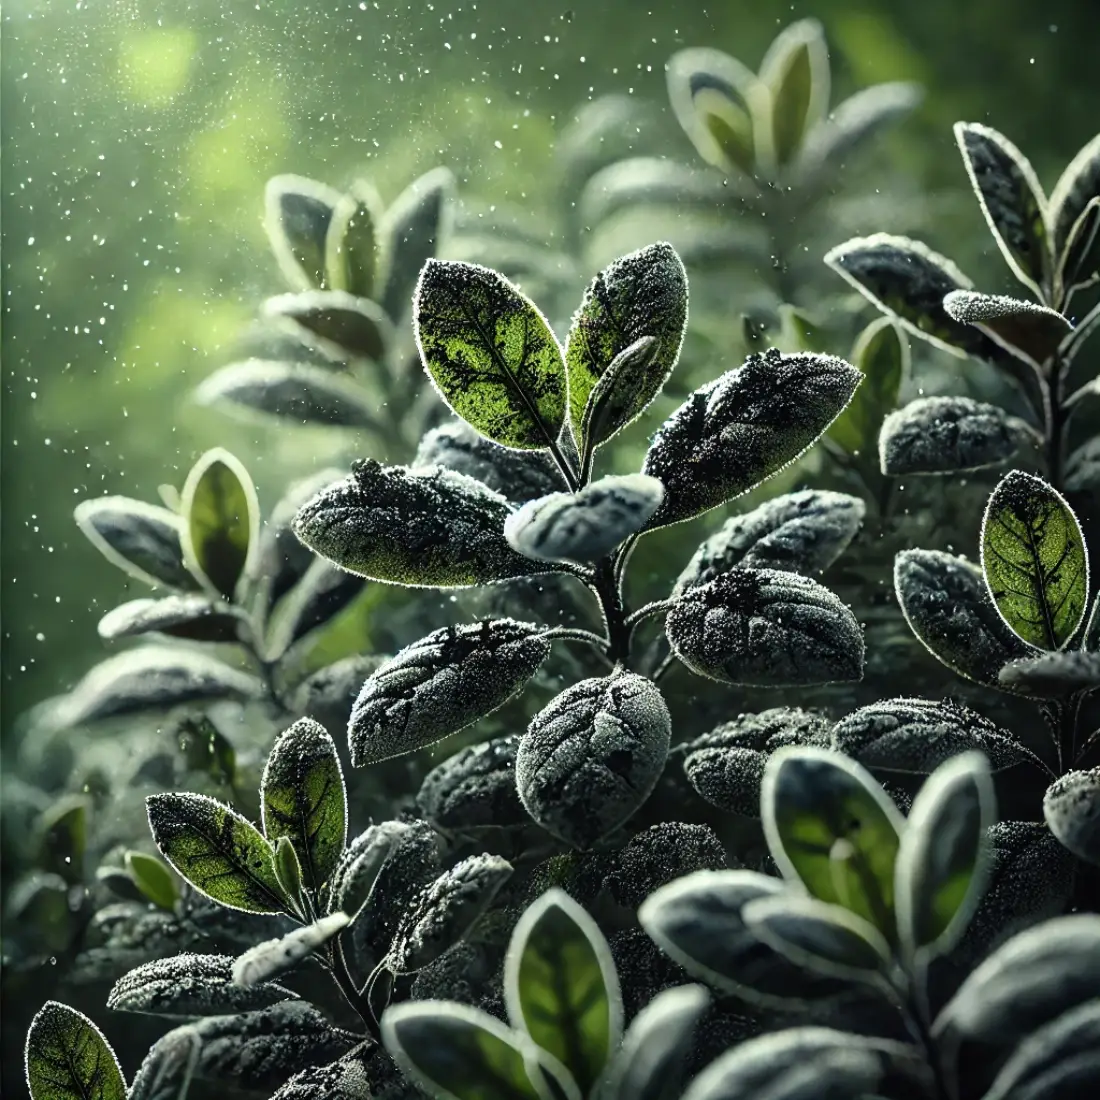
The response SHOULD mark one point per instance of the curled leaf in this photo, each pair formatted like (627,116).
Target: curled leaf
(273,958)
(1030,332)
(1071,807)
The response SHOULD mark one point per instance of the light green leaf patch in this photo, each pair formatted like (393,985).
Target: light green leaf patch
(882,354)
(67,1058)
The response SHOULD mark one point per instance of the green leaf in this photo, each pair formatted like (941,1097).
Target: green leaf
(288,873)
(206,749)
(1034,558)
(153,879)
(221,520)
(353,257)
(67,1058)
(641,294)
(882,354)
(943,859)
(561,986)
(1012,201)
(1024,329)
(62,836)
(1074,267)
(335,322)
(796,73)
(456,1052)
(302,797)
(490,353)
(216,850)
(297,213)
(830,826)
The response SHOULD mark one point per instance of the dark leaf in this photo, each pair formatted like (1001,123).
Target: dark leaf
(657,855)
(796,73)
(764,627)
(945,435)
(802,532)
(206,749)
(67,1058)
(423,528)
(882,354)
(353,259)
(216,850)
(188,986)
(361,864)
(1053,675)
(587,525)
(475,788)
(592,756)
(153,879)
(302,797)
(1077,268)
(328,695)
(140,538)
(297,215)
(335,322)
(1030,332)
(1035,562)
(61,836)
(322,593)
(441,684)
(194,617)
(1011,198)
(168,1068)
(1078,186)
(743,427)
(1071,807)
(276,957)
(1083,467)
(344,1079)
(947,605)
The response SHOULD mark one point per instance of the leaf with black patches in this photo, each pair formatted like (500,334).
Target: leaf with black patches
(67,1058)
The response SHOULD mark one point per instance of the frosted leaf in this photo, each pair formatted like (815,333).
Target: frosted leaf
(441,684)
(311,604)
(279,956)
(743,427)
(194,617)
(191,985)
(1025,329)
(344,1079)
(336,322)
(1083,468)
(475,788)
(166,1071)
(587,525)
(802,532)
(362,862)
(518,475)
(1052,675)
(658,855)
(942,435)
(916,736)
(1071,807)
(429,528)
(328,695)
(947,605)
(763,627)
(444,911)
(592,756)
(68,1058)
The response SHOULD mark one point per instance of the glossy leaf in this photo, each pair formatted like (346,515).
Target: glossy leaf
(1035,562)
(297,213)
(216,850)
(882,354)
(1030,332)
(1071,807)
(67,1058)
(192,616)
(353,259)
(276,957)
(796,72)
(153,879)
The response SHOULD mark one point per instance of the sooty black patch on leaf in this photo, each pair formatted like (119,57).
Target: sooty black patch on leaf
(441,684)
(475,788)
(587,525)
(942,435)
(1071,807)
(763,627)
(592,756)
(660,854)
(431,528)
(743,427)
(802,532)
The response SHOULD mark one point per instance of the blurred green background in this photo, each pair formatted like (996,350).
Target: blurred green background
(138,135)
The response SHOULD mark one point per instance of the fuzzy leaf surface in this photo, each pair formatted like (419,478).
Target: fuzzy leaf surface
(1053,675)
(475,788)
(1029,331)
(1071,807)
(273,958)
(68,1058)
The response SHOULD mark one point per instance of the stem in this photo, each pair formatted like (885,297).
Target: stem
(606,589)
(917,1015)
(576,634)
(1054,414)
(663,667)
(647,612)
(338,964)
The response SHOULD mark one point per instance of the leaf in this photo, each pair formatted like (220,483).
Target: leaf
(289,391)
(796,72)
(67,1058)
(802,532)
(191,985)
(490,353)
(276,957)
(908,282)
(1052,675)
(1011,198)
(167,1070)
(475,788)
(1036,566)
(1073,268)
(882,354)
(297,213)
(445,910)
(1083,467)
(192,616)
(302,797)
(61,836)
(587,525)
(216,850)
(450,528)
(650,1062)
(151,678)
(153,879)
(321,594)
(591,756)
(288,874)
(441,684)
(335,322)
(1030,332)
(328,695)
(945,435)
(1077,187)
(140,538)
(353,260)
(456,1052)
(943,860)
(767,628)
(561,986)
(204,748)
(827,939)
(743,427)
(715,99)
(641,294)
(1071,807)
(830,826)
(412,231)
(361,864)
(947,605)
(221,521)
(345,1079)
(916,736)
